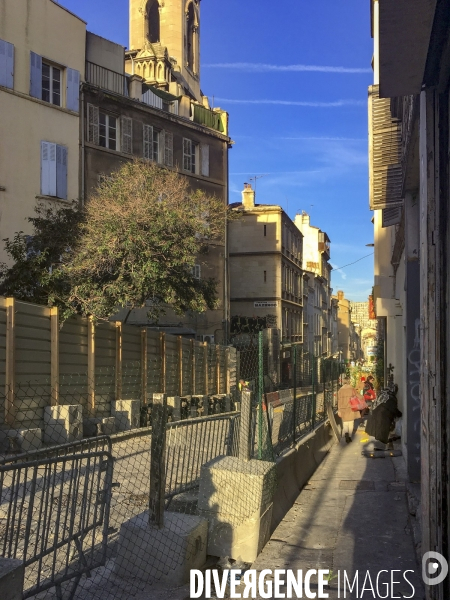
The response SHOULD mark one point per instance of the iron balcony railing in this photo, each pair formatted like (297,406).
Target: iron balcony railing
(106,79)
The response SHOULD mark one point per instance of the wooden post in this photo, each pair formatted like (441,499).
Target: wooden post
(91,367)
(217,369)
(180,365)
(10,374)
(119,330)
(157,461)
(192,391)
(54,354)
(245,432)
(162,349)
(144,367)
(206,368)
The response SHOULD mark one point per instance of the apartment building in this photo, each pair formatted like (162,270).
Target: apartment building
(409,169)
(317,277)
(266,277)
(146,103)
(42,59)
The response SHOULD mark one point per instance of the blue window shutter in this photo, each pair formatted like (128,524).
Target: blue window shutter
(48,169)
(36,76)
(61,172)
(9,66)
(6,64)
(73,90)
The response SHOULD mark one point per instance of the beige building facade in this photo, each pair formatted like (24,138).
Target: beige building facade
(266,278)
(44,46)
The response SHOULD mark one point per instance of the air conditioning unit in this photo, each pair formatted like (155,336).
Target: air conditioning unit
(208,338)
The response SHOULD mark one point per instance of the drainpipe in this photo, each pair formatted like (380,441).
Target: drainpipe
(82,147)
(226,286)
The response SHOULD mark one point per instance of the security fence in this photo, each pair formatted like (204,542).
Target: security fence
(179,475)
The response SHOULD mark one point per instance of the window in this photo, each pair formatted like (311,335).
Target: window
(153,33)
(265,230)
(191,41)
(190,156)
(196,271)
(6,64)
(205,159)
(168,149)
(127,135)
(107,131)
(53,170)
(51,84)
(152,143)
(47,80)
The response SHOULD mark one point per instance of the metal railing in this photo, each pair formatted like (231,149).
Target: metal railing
(56,517)
(106,79)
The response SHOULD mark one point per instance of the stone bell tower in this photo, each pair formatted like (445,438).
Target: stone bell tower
(165,44)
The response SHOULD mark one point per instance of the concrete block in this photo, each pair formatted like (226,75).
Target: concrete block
(236,498)
(20,440)
(166,555)
(96,426)
(11,579)
(30,439)
(63,424)
(199,406)
(175,403)
(127,414)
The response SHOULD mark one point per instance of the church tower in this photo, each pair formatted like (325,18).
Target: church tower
(165,44)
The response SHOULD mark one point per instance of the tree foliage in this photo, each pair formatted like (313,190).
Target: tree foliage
(35,274)
(133,245)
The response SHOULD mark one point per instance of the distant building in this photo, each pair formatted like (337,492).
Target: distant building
(349,341)
(266,277)
(317,276)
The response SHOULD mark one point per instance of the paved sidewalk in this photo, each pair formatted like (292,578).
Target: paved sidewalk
(352,515)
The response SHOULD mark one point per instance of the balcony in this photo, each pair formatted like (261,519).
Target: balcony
(208,118)
(106,79)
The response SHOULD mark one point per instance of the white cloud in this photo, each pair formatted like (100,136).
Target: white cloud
(340,271)
(335,104)
(267,68)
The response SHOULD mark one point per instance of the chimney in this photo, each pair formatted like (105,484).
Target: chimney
(248,196)
(305,218)
(340,295)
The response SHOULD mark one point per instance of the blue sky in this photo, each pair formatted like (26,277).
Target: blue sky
(293,75)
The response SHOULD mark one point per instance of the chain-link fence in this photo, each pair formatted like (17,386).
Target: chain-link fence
(117,484)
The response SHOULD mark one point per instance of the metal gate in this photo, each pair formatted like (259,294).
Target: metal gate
(54,513)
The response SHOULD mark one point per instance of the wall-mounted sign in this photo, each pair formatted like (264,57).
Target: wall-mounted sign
(266,304)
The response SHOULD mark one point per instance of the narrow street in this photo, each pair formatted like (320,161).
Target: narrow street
(352,516)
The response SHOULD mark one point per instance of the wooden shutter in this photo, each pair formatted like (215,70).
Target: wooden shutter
(205,159)
(148,142)
(127,135)
(61,172)
(73,90)
(6,64)
(168,149)
(385,155)
(187,155)
(93,127)
(35,75)
(391,216)
(48,169)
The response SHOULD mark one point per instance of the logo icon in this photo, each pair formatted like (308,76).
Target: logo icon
(434,568)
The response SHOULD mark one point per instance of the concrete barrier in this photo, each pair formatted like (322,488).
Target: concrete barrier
(296,467)
(11,579)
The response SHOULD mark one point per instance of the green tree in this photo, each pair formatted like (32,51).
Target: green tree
(34,274)
(134,244)
(142,233)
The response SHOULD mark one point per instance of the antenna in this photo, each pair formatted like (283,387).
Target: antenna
(256,177)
